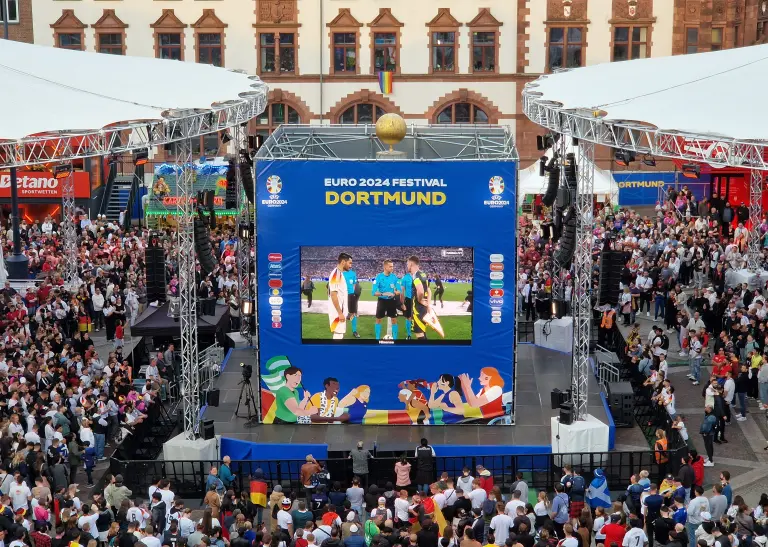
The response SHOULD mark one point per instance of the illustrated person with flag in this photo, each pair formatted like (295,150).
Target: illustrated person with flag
(337,297)
(597,493)
(258,494)
(353,296)
(386,287)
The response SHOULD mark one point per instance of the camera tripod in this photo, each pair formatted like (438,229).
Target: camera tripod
(246,391)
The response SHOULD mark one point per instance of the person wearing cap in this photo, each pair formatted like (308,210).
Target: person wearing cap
(614,532)
(355,537)
(381,509)
(284,519)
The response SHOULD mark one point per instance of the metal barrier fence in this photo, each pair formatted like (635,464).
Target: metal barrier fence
(541,471)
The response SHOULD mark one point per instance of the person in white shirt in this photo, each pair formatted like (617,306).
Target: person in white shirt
(186,524)
(88,517)
(138,516)
(477,496)
(20,494)
(514,503)
(570,540)
(401,506)
(598,523)
(635,536)
(148,538)
(500,524)
(284,519)
(694,356)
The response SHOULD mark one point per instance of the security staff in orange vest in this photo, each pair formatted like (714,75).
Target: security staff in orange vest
(660,452)
(606,326)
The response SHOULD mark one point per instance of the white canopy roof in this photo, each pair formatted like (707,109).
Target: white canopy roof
(717,93)
(48,89)
(532,183)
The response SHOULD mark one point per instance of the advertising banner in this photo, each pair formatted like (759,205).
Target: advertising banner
(42,184)
(386,291)
(642,187)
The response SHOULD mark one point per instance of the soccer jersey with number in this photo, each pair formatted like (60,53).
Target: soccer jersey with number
(337,285)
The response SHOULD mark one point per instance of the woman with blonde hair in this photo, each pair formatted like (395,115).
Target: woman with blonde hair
(542,509)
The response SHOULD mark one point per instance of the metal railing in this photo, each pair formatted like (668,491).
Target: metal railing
(210,365)
(541,471)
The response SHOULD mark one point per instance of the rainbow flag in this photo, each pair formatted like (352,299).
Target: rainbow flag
(259,493)
(385,81)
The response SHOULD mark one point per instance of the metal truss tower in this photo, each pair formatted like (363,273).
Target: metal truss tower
(755,254)
(69,233)
(559,271)
(582,287)
(243,243)
(190,374)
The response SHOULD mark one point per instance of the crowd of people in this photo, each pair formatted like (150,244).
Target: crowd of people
(62,401)
(420,507)
(683,263)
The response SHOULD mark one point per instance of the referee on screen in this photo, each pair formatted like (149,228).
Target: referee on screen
(353,295)
(386,287)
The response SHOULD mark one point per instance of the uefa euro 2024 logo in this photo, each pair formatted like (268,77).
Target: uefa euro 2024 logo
(496,187)
(275,185)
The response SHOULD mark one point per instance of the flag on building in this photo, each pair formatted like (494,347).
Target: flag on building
(385,81)
(259,493)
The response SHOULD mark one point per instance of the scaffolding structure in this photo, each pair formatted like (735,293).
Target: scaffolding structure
(177,126)
(69,232)
(755,253)
(582,287)
(243,243)
(334,142)
(590,127)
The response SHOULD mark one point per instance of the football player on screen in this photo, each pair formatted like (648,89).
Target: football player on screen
(337,297)
(353,296)
(421,301)
(406,301)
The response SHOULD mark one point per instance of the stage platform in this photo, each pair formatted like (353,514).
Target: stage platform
(539,371)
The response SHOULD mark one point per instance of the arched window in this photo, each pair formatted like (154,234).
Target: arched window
(275,115)
(462,113)
(362,113)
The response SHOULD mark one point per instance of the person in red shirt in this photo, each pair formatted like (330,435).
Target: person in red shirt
(697,462)
(614,531)
(720,365)
(485,478)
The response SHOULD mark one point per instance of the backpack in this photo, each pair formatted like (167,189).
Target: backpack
(577,485)
(321,477)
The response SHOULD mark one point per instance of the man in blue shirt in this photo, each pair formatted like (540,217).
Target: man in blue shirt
(406,297)
(386,287)
(559,511)
(353,295)
(725,480)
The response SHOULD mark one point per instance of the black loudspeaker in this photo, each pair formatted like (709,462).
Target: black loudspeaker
(564,253)
(611,265)
(203,247)
(207,430)
(212,397)
(556,398)
(154,260)
(230,199)
(621,400)
(246,177)
(566,413)
(554,182)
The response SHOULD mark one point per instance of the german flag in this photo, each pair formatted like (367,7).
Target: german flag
(259,493)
